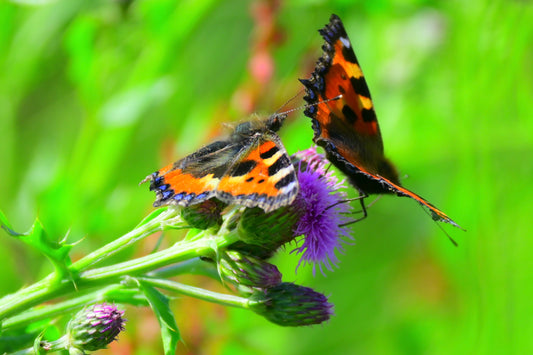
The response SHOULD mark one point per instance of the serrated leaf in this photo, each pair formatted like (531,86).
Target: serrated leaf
(169,329)
(56,252)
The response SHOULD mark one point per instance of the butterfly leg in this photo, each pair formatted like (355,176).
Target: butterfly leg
(346,201)
(362,202)
(361,199)
(374,201)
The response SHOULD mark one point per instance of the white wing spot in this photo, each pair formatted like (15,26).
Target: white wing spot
(345,41)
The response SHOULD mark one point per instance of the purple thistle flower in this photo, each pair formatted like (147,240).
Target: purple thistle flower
(323,212)
(93,328)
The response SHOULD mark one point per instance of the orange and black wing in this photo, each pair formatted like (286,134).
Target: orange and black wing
(342,112)
(262,175)
(194,178)
(250,170)
(345,123)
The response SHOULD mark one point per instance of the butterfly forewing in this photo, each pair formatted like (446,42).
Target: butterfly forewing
(347,128)
(194,178)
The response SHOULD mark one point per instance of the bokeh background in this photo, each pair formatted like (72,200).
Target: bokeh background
(95,95)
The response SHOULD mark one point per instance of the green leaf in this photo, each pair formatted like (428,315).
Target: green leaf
(160,305)
(152,216)
(56,252)
(127,295)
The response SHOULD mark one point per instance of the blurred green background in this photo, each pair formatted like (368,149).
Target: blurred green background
(95,95)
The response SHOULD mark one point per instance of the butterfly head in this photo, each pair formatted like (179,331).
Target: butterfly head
(249,128)
(275,121)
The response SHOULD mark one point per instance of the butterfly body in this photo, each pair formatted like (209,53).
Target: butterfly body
(347,127)
(250,168)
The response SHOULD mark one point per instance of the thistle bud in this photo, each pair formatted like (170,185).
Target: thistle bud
(291,305)
(263,233)
(204,215)
(94,327)
(244,270)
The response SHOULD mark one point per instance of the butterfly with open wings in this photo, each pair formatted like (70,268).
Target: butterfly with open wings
(250,168)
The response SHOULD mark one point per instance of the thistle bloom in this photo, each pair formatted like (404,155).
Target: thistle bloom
(319,213)
(323,212)
(93,328)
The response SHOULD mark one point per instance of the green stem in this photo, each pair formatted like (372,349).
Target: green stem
(166,219)
(63,307)
(47,289)
(28,351)
(200,293)
(178,252)
(194,266)
(27,297)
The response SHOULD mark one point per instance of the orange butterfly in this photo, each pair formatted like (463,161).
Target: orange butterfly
(347,128)
(250,168)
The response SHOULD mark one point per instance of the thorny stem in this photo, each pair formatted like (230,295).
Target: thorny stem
(203,243)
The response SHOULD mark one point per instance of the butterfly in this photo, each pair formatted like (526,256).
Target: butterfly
(347,127)
(250,168)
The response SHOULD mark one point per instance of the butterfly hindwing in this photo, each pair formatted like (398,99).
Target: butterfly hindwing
(345,123)
(261,176)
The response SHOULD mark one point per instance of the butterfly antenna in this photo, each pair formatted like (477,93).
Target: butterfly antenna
(287,102)
(308,105)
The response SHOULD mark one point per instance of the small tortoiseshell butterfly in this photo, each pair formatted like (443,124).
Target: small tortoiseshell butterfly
(250,168)
(347,128)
